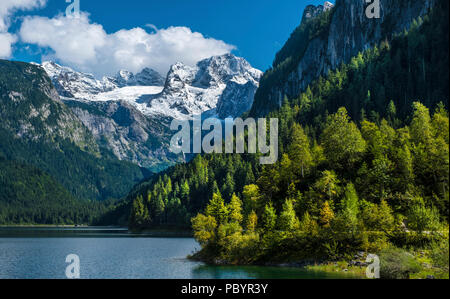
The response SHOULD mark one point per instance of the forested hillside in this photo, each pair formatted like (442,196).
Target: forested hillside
(364,165)
(324,42)
(40,135)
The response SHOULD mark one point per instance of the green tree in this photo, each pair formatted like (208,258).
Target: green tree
(421,218)
(185,190)
(269,218)
(326,215)
(252,222)
(308,225)
(217,209)
(378,217)
(204,229)
(299,151)
(235,209)
(228,187)
(288,221)
(252,198)
(350,206)
(328,185)
(421,128)
(139,213)
(342,141)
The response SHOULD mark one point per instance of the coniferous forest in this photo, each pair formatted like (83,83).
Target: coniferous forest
(363,166)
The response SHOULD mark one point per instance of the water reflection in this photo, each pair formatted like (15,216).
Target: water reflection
(256,272)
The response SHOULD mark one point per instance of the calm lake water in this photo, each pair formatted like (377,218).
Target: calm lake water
(115,253)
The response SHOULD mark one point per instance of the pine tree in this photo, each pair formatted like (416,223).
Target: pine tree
(204,229)
(139,213)
(328,184)
(228,186)
(342,141)
(252,222)
(185,191)
(269,218)
(288,221)
(216,208)
(350,205)
(299,151)
(235,209)
(308,225)
(252,198)
(326,215)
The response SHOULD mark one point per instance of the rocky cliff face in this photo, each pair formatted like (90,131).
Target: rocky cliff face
(130,135)
(349,31)
(130,114)
(222,85)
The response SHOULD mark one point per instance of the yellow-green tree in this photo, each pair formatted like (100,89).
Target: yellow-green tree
(328,185)
(139,213)
(204,229)
(269,218)
(217,209)
(288,221)
(252,222)
(326,215)
(342,140)
(235,209)
(252,198)
(308,225)
(299,151)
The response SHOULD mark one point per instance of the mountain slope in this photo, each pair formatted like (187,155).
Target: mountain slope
(40,132)
(323,42)
(30,196)
(130,115)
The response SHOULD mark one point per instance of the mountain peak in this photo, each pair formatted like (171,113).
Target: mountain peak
(225,84)
(211,85)
(312,11)
(73,84)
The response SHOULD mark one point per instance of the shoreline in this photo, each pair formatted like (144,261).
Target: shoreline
(356,267)
(89,231)
(340,267)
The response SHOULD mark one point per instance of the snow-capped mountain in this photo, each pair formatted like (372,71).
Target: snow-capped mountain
(223,84)
(73,84)
(130,114)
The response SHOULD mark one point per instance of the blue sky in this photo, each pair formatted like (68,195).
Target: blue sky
(257,29)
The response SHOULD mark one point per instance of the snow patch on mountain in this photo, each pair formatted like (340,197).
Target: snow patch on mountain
(130,114)
(221,85)
(191,91)
(82,86)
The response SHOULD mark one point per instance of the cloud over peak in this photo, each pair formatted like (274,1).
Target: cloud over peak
(86,46)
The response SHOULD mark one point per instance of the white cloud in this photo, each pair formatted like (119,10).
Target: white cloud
(6,41)
(7,8)
(84,45)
